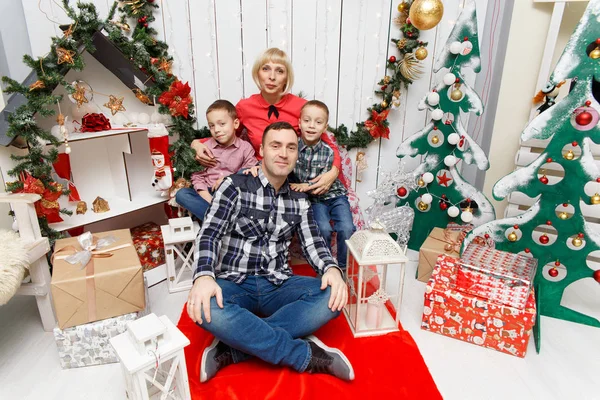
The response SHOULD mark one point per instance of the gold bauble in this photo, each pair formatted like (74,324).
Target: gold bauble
(421,53)
(595,54)
(569,156)
(577,242)
(426,14)
(422,206)
(596,198)
(456,94)
(512,237)
(421,182)
(435,140)
(563,215)
(402,7)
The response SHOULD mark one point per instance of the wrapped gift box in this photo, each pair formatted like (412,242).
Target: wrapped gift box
(88,344)
(148,242)
(499,276)
(473,319)
(435,244)
(109,285)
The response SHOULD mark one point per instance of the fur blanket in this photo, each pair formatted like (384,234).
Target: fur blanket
(13,263)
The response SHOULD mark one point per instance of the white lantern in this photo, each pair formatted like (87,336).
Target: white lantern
(449,78)
(373,259)
(180,242)
(152,359)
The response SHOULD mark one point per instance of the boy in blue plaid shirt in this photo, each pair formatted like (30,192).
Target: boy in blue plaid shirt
(314,159)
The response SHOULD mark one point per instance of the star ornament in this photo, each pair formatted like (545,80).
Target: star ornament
(37,85)
(166,66)
(377,126)
(79,95)
(69,32)
(65,56)
(115,104)
(143,97)
(444,179)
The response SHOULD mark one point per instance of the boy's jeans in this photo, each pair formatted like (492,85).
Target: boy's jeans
(295,309)
(189,199)
(338,211)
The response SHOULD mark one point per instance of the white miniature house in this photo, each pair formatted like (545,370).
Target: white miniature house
(179,237)
(370,309)
(152,358)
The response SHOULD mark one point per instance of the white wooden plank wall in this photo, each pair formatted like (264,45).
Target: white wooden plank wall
(338,49)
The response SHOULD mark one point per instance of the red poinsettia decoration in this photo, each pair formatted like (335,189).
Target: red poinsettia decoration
(377,126)
(47,207)
(177,98)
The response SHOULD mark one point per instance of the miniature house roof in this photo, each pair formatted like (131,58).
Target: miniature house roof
(375,247)
(106,53)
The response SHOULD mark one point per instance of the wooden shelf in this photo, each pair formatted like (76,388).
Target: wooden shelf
(78,136)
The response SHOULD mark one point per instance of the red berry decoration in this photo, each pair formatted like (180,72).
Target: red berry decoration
(544,180)
(443,205)
(598,41)
(457,80)
(392,59)
(435,128)
(145,24)
(544,239)
(549,159)
(580,235)
(516,226)
(548,222)
(574,144)
(584,118)
(408,20)
(465,39)
(527,250)
(557,263)
(402,191)
(597,275)
(384,87)
(487,236)
(553,272)
(588,103)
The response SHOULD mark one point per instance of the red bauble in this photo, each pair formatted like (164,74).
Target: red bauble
(384,87)
(153,60)
(584,118)
(408,20)
(443,205)
(392,59)
(544,239)
(553,272)
(402,191)
(597,275)
(544,180)
(145,24)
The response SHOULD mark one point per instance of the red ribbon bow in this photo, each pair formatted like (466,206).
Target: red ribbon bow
(94,123)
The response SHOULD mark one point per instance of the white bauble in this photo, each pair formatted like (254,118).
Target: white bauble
(453,211)
(55,131)
(450,160)
(427,177)
(467,47)
(156,118)
(449,78)
(133,117)
(433,98)
(427,198)
(466,216)
(453,138)
(455,47)
(119,119)
(437,114)
(143,118)
(166,119)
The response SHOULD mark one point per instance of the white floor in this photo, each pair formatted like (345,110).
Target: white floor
(567,367)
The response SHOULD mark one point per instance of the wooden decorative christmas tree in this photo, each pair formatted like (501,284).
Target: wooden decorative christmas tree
(441,194)
(566,178)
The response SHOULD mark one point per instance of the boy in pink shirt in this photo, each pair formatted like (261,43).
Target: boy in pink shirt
(231,153)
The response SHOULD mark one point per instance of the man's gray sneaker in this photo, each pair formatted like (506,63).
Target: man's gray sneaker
(327,360)
(215,357)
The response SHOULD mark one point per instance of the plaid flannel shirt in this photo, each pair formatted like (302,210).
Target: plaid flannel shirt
(248,229)
(313,161)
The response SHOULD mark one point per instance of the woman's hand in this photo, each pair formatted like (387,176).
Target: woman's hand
(323,182)
(203,154)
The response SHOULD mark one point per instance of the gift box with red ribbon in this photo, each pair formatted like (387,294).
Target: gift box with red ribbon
(453,313)
(148,242)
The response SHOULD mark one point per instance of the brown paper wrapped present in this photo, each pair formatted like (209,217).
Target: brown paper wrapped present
(109,285)
(438,242)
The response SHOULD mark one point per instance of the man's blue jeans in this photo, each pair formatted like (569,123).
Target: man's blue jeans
(189,199)
(338,211)
(295,309)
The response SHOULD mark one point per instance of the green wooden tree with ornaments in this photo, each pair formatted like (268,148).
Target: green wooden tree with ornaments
(554,229)
(440,194)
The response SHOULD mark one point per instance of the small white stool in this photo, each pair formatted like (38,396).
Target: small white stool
(152,359)
(176,236)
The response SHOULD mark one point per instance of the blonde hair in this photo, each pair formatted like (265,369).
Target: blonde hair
(276,56)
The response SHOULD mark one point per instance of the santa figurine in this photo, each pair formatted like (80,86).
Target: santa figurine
(162,178)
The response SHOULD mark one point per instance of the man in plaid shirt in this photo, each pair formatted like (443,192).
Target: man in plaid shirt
(242,271)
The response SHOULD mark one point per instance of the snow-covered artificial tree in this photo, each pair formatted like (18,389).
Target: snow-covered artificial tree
(441,194)
(565,178)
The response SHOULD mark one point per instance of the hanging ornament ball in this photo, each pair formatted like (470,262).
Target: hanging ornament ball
(544,179)
(433,98)
(67,149)
(427,177)
(426,14)
(456,94)
(453,138)
(443,205)
(402,192)
(597,275)
(402,7)
(453,211)
(437,114)
(427,198)
(421,53)
(595,54)
(392,59)
(563,215)
(455,47)
(577,242)
(467,47)
(421,182)
(422,206)
(512,237)
(584,118)
(435,139)
(544,239)
(553,272)
(450,160)
(595,198)
(569,155)
(466,216)
(15,226)
(143,118)
(449,78)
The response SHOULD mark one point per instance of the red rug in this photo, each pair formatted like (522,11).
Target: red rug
(386,367)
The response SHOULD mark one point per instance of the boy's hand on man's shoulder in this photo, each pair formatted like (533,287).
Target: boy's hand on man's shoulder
(300,187)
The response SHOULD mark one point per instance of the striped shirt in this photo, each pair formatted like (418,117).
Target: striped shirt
(248,229)
(314,161)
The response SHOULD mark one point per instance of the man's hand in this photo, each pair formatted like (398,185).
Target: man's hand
(204,288)
(203,154)
(300,187)
(339,290)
